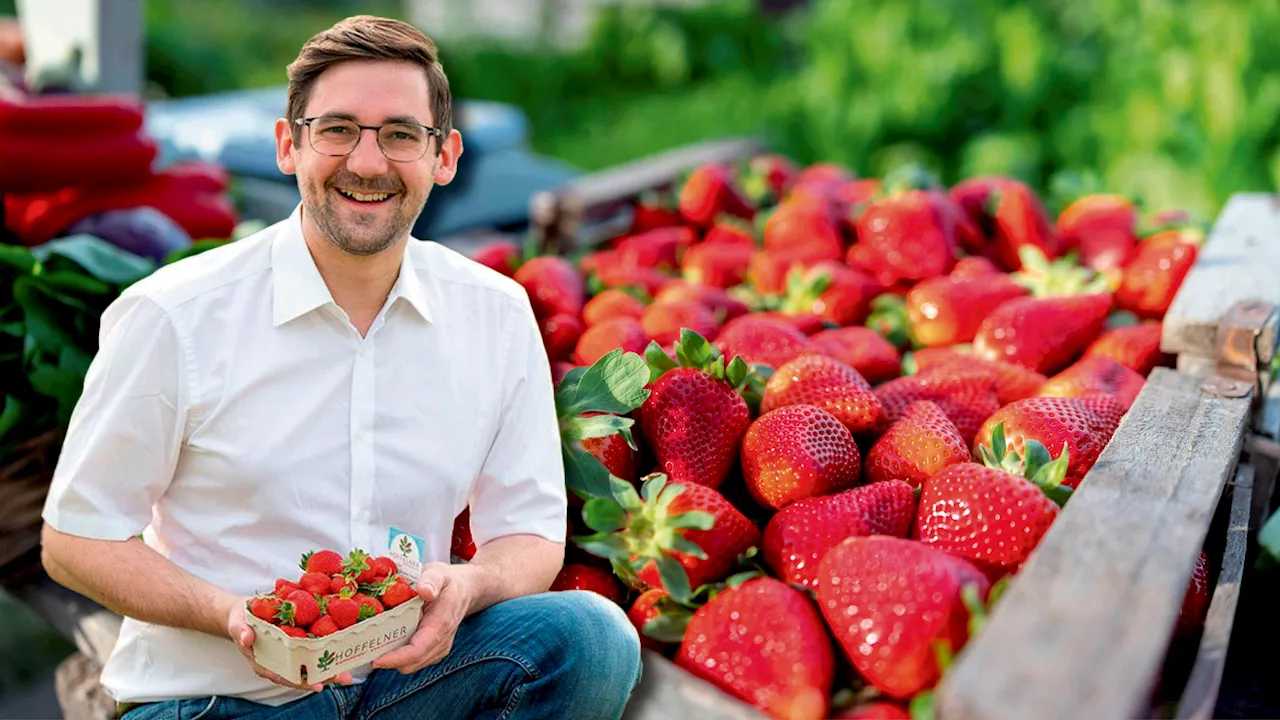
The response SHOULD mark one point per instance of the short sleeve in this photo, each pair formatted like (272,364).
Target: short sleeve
(521,485)
(125,433)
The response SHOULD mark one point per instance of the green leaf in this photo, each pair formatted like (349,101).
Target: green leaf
(75,282)
(1035,457)
(684,545)
(596,426)
(98,257)
(921,706)
(658,359)
(613,384)
(567,390)
(43,328)
(604,515)
(652,487)
(584,474)
(605,545)
(738,579)
(693,351)
(17,257)
(1269,536)
(693,519)
(737,371)
(674,579)
(625,494)
(668,627)
(999,445)
(9,416)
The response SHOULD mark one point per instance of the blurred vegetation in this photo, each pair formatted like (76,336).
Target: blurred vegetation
(1173,100)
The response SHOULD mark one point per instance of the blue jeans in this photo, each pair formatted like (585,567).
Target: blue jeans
(569,655)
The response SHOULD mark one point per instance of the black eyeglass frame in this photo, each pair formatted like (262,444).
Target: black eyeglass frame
(431,132)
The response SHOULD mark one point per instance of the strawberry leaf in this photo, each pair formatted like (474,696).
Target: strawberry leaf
(681,544)
(604,515)
(674,579)
(584,474)
(613,384)
(567,390)
(668,627)
(605,545)
(736,372)
(921,706)
(658,359)
(737,579)
(624,493)
(694,519)
(693,350)
(596,426)
(977,612)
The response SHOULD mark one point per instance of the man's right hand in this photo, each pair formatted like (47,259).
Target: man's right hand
(242,635)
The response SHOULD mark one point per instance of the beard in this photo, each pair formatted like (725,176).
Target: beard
(363,233)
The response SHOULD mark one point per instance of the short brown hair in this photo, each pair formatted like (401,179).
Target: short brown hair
(365,37)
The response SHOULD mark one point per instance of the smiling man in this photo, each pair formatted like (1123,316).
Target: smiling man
(319,384)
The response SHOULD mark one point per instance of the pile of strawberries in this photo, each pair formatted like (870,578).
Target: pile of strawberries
(813,422)
(332,594)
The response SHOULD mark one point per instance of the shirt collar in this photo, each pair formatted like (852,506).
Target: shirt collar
(298,287)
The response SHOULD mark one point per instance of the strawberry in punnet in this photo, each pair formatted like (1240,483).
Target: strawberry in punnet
(663,321)
(1013,382)
(324,626)
(593,405)
(297,632)
(560,335)
(503,256)
(890,602)
(461,545)
(946,311)
(1096,375)
(765,643)
(369,605)
(805,230)
(1157,270)
(612,303)
(710,191)
(798,535)
(1043,334)
(316,583)
(383,567)
(265,607)
(1137,347)
(1083,426)
(695,417)
(1196,602)
(826,383)
(968,397)
(554,286)
(763,341)
(326,562)
(722,305)
(359,565)
(574,576)
(395,590)
(920,444)
(344,610)
(299,608)
(993,514)
(283,586)
(862,349)
(338,583)
(676,536)
(798,451)
(1102,229)
(625,333)
(718,264)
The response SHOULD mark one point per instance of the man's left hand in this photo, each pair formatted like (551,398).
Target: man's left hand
(446,598)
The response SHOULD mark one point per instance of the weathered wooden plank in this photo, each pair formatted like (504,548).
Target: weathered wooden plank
(1082,630)
(1201,693)
(668,693)
(1237,263)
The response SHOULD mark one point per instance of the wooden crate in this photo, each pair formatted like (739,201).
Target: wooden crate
(1085,629)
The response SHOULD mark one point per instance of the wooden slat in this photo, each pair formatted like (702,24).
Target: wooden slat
(1237,263)
(1201,693)
(668,693)
(1082,630)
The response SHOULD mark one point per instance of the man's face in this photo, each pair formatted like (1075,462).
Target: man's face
(363,202)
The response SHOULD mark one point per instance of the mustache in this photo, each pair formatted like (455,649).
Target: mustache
(354,183)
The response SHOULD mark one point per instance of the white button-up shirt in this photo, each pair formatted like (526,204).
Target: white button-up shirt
(236,419)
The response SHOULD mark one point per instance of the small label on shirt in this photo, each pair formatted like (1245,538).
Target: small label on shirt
(405,549)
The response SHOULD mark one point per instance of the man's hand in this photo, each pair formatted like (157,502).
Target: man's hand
(446,594)
(242,635)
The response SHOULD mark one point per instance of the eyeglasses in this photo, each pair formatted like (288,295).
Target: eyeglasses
(399,142)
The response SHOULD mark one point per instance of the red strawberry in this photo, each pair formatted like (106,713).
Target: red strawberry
(265,607)
(796,452)
(299,608)
(292,631)
(832,292)
(1096,375)
(396,592)
(1021,221)
(879,710)
(693,419)
(384,567)
(324,626)
(654,210)
(730,231)
(1083,426)
(283,586)
(1156,273)
(826,383)
(722,305)
(554,286)
(709,192)
(862,349)
(586,577)
(1013,382)
(1137,347)
(994,514)
(315,583)
(768,270)
(461,545)
(948,310)
(658,248)
(1043,334)
(613,452)
(920,444)
(646,608)
(968,397)
(358,565)
(345,611)
(719,264)
(559,369)
(771,174)
(974,196)
(889,601)
(663,321)
(599,339)
(763,340)
(611,271)
(1102,228)
(798,535)
(765,643)
(974,266)
(338,583)
(560,335)
(1196,602)
(909,235)
(678,537)
(611,303)
(805,322)
(326,562)
(369,606)
(805,230)
(500,255)
(852,197)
